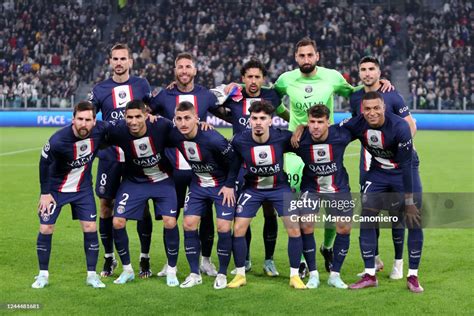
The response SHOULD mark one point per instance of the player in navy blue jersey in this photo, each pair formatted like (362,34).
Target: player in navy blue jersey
(253,76)
(164,103)
(321,147)
(65,176)
(369,74)
(209,154)
(110,97)
(262,149)
(387,137)
(147,176)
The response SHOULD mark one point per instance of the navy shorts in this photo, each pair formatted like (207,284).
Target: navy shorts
(381,189)
(109,176)
(198,200)
(82,206)
(132,198)
(250,200)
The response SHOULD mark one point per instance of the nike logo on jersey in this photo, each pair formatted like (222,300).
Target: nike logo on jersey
(121,103)
(308,96)
(172,212)
(94,216)
(225,214)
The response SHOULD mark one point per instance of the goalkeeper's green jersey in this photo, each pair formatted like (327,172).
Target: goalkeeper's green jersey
(304,92)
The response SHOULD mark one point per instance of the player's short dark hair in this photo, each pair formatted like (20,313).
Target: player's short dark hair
(372,95)
(306,41)
(318,111)
(185,106)
(185,55)
(136,105)
(262,106)
(118,46)
(84,106)
(369,59)
(253,63)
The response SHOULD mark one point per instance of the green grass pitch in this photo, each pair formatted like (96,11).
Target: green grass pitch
(445,272)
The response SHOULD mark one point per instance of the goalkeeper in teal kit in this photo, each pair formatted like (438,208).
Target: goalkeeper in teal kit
(307,86)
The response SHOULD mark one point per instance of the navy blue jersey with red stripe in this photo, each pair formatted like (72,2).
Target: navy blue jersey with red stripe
(110,98)
(394,103)
(165,102)
(263,162)
(209,154)
(66,160)
(324,161)
(145,160)
(240,110)
(390,145)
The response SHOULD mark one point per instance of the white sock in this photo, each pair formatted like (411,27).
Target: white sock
(44,273)
(413,272)
(91,273)
(398,262)
(171,270)
(109,255)
(333,274)
(314,273)
(128,267)
(144,255)
(205,260)
(370,271)
(241,270)
(293,272)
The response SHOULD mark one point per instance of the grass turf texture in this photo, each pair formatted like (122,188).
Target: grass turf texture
(445,271)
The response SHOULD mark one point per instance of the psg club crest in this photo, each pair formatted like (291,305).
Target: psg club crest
(239,209)
(321,153)
(83,147)
(308,89)
(121,209)
(374,138)
(262,155)
(122,95)
(191,151)
(142,147)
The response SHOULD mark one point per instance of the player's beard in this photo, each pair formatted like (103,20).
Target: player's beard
(120,72)
(185,83)
(83,132)
(307,68)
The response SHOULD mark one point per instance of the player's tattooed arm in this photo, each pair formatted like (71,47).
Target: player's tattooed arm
(222,113)
(295,139)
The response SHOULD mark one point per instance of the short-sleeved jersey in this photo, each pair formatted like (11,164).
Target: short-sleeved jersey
(165,102)
(240,109)
(324,169)
(110,98)
(66,160)
(145,160)
(394,103)
(209,154)
(390,145)
(304,92)
(263,162)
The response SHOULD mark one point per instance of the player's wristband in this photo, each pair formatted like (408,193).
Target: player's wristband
(409,201)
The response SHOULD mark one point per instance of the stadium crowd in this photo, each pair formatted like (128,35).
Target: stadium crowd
(47,48)
(223,39)
(440,68)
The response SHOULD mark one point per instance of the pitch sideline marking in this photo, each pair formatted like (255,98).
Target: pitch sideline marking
(19,151)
